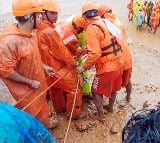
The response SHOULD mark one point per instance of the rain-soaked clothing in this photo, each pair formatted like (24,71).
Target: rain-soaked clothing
(154,19)
(136,7)
(19,52)
(67,34)
(75,44)
(130,10)
(105,59)
(127,67)
(111,83)
(56,55)
(126,77)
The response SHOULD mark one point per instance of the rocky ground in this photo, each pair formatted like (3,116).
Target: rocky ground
(145,51)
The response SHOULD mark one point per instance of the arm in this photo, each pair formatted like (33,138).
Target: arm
(49,70)
(60,51)
(14,76)
(93,36)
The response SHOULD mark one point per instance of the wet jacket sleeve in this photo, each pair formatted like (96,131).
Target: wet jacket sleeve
(10,56)
(60,52)
(93,37)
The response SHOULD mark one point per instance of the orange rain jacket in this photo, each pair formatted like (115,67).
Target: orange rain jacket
(69,37)
(66,32)
(126,52)
(154,19)
(130,8)
(56,55)
(19,51)
(98,37)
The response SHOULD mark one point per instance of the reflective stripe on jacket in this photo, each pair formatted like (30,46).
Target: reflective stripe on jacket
(66,32)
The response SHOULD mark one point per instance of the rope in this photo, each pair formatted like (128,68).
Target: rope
(44,82)
(69,123)
(29,92)
(46,89)
(143,127)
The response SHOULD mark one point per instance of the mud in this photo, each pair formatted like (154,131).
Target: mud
(145,51)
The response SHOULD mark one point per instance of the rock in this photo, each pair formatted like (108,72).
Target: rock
(82,127)
(115,128)
(146,104)
(158,104)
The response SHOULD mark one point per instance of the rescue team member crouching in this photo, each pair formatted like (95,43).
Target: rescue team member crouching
(20,61)
(105,53)
(55,54)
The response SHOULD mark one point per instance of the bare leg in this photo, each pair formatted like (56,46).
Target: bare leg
(112,100)
(98,101)
(128,91)
(109,107)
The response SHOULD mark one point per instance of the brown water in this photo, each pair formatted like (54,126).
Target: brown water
(145,50)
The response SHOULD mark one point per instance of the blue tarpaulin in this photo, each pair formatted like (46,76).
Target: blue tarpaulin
(17,126)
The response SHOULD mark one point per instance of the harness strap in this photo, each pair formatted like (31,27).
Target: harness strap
(115,52)
(113,43)
(107,47)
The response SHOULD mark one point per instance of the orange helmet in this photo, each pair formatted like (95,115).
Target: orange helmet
(87,6)
(50,5)
(22,8)
(103,8)
(79,21)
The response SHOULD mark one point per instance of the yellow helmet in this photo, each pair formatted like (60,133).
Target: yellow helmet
(22,8)
(50,5)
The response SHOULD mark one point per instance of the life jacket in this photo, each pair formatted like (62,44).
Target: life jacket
(110,47)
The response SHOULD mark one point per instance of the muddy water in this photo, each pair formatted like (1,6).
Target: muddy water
(145,50)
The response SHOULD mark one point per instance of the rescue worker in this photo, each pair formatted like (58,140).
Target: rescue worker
(20,61)
(144,10)
(154,19)
(150,5)
(127,69)
(68,32)
(105,12)
(79,24)
(130,10)
(105,53)
(55,54)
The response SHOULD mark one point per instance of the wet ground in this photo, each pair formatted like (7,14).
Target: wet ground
(145,50)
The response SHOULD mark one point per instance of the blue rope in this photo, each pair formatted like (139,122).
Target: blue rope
(143,127)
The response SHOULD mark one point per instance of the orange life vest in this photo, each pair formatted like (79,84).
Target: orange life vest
(110,47)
